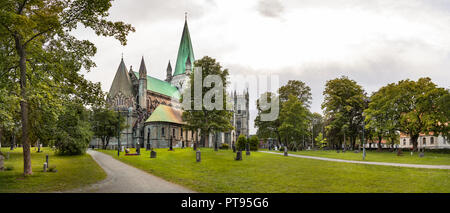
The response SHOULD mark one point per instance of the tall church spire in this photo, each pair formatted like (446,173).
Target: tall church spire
(142,69)
(185,52)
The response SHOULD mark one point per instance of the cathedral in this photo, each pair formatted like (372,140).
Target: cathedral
(152,110)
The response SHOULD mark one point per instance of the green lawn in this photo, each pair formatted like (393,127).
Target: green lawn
(385,156)
(263,172)
(73,172)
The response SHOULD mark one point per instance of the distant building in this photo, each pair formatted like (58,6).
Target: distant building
(429,141)
(152,109)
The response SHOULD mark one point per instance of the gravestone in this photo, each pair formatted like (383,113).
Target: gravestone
(421,154)
(46,159)
(45,167)
(247,149)
(234,148)
(122,149)
(170,144)
(138,148)
(337,150)
(2,163)
(238,155)
(198,156)
(195,146)
(399,152)
(285,151)
(39,147)
(152,154)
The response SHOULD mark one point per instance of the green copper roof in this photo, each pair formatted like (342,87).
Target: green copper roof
(185,51)
(162,87)
(165,113)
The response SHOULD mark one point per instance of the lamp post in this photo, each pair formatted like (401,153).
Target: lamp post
(130,110)
(363,139)
(118,132)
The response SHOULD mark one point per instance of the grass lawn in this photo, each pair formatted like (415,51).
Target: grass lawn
(263,172)
(385,156)
(73,172)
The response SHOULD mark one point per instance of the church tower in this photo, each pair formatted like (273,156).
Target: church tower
(142,85)
(169,72)
(185,60)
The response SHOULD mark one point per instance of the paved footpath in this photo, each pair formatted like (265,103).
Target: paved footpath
(127,179)
(366,162)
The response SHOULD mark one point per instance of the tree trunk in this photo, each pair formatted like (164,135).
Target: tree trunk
(414,139)
(379,143)
(20,48)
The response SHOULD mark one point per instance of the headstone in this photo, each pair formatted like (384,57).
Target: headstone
(195,146)
(152,154)
(2,163)
(399,152)
(285,151)
(45,167)
(247,149)
(138,148)
(198,156)
(46,159)
(421,154)
(170,144)
(238,155)
(122,149)
(337,150)
(39,147)
(234,148)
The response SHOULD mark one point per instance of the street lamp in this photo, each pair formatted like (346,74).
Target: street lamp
(130,110)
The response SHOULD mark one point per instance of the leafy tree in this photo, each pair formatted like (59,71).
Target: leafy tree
(36,36)
(266,129)
(253,143)
(321,141)
(294,121)
(105,123)
(73,130)
(208,120)
(317,125)
(414,107)
(298,89)
(241,141)
(343,106)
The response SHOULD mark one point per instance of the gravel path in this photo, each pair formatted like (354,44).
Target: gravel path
(123,178)
(366,162)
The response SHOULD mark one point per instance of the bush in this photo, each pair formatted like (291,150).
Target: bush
(254,142)
(241,141)
(225,146)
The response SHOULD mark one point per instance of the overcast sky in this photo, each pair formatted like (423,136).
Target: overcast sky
(373,42)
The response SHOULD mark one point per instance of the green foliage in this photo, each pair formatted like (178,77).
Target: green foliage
(74,131)
(254,143)
(225,146)
(322,142)
(241,141)
(343,105)
(105,124)
(266,129)
(208,120)
(294,120)
(298,89)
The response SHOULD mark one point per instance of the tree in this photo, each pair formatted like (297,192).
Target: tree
(294,121)
(104,124)
(36,34)
(253,143)
(241,141)
(298,89)
(266,129)
(343,105)
(413,107)
(321,141)
(316,125)
(208,120)
(73,130)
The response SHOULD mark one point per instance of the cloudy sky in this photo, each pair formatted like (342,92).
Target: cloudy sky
(372,42)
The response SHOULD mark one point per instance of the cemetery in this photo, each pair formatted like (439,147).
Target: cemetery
(224,171)
(62,172)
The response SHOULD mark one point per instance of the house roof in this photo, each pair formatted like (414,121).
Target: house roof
(161,87)
(122,82)
(164,113)
(185,52)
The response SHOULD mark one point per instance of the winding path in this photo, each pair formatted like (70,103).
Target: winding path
(123,178)
(366,162)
